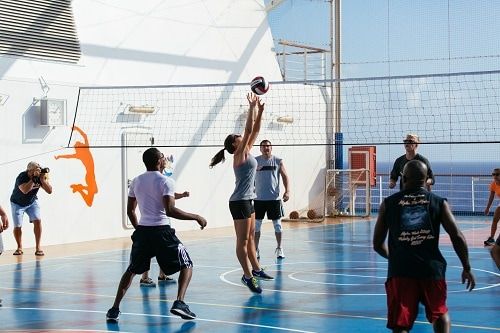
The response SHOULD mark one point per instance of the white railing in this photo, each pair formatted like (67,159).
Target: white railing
(467,194)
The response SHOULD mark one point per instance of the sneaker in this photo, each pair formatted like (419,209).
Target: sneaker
(179,308)
(489,241)
(252,284)
(279,253)
(261,275)
(113,315)
(258,254)
(147,283)
(165,279)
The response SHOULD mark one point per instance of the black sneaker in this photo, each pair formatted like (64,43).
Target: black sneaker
(252,284)
(179,308)
(113,315)
(261,275)
(489,241)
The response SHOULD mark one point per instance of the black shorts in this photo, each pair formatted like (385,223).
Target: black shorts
(241,209)
(159,242)
(273,208)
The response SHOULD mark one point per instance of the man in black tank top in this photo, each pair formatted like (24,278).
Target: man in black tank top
(416,274)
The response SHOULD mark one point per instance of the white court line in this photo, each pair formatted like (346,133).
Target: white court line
(245,307)
(224,279)
(292,277)
(75,330)
(77,256)
(370,246)
(165,316)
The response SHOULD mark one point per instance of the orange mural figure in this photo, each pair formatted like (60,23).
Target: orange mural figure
(82,153)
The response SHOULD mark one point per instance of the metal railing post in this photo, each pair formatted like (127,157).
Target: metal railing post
(473,195)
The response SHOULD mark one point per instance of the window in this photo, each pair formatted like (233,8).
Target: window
(41,29)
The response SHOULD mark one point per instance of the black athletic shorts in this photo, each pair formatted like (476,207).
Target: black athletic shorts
(241,209)
(159,242)
(273,208)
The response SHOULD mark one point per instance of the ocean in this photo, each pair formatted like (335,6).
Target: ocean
(464,184)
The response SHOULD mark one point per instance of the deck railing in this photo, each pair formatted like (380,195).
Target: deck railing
(467,194)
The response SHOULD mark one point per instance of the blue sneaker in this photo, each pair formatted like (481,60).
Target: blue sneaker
(113,315)
(181,309)
(261,275)
(252,284)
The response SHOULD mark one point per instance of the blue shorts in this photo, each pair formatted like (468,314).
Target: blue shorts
(33,212)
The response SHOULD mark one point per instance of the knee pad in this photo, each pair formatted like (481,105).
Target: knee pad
(277,226)
(258,224)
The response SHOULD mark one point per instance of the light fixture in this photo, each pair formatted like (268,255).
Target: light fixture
(285,119)
(3,99)
(143,109)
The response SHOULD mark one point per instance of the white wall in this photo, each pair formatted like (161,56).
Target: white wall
(128,42)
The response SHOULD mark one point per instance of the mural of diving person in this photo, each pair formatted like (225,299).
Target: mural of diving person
(83,153)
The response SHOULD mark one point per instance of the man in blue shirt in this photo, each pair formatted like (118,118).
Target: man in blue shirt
(24,200)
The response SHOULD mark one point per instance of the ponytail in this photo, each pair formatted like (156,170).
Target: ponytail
(228,145)
(219,157)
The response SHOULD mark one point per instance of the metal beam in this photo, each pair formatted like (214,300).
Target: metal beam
(273,4)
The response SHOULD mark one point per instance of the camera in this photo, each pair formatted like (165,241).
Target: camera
(43,171)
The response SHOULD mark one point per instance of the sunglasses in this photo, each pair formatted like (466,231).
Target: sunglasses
(495,174)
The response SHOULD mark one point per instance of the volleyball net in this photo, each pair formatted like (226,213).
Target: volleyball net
(442,108)
(456,116)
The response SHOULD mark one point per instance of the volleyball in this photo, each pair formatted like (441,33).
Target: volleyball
(311,214)
(259,85)
(294,215)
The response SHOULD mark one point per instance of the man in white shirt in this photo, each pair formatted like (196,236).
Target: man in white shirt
(153,236)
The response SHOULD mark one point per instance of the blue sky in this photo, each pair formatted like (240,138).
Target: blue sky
(406,37)
(415,36)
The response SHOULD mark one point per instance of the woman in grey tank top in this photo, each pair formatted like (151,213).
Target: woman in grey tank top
(240,203)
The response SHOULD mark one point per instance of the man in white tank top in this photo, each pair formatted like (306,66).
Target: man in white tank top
(267,190)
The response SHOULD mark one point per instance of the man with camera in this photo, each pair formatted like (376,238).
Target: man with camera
(24,200)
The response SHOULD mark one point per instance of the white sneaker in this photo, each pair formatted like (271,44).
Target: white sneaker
(279,253)
(147,282)
(258,254)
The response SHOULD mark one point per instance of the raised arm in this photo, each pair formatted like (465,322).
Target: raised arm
(243,146)
(82,133)
(44,183)
(256,124)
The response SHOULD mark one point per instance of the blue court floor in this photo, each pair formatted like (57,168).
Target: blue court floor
(330,281)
